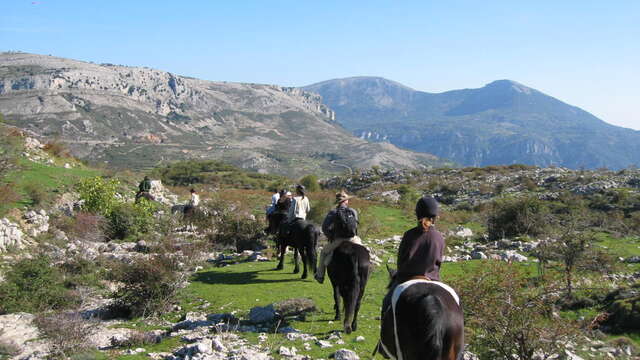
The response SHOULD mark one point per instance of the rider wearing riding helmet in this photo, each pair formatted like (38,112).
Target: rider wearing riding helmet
(421,249)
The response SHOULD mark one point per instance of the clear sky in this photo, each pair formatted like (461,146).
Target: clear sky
(586,53)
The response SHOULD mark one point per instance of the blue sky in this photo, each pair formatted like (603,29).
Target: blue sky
(586,53)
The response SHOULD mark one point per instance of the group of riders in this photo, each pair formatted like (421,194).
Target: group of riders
(421,249)
(144,192)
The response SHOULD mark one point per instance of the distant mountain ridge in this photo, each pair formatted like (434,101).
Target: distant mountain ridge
(503,122)
(139,117)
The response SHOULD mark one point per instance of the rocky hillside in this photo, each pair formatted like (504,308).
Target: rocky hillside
(502,123)
(139,117)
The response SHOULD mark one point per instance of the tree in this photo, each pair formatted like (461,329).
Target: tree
(310,182)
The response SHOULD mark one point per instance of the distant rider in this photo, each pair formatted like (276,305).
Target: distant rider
(192,203)
(144,187)
(300,205)
(340,224)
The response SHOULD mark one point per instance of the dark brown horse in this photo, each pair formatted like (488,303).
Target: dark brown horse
(349,272)
(144,195)
(424,322)
(303,237)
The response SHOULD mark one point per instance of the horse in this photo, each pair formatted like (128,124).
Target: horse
(349,272)
(424,321)
(144,195)
(303,237)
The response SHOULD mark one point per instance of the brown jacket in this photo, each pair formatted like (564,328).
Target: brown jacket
(420,253)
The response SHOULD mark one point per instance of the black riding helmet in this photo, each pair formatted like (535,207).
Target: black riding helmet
(301,189)
(427,207)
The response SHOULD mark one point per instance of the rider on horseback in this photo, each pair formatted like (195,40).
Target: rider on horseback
(143,188)
(340,224)
(298,209)
(421,249)
(192,203)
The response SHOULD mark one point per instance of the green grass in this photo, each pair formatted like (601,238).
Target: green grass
(389,221)
(238,288)
(620,247)
(49,178)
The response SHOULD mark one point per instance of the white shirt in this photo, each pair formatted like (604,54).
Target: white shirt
(274,199)
(195,199)
(299,208)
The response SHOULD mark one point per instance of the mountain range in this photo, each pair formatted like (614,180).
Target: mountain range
(503,122)
(140,117)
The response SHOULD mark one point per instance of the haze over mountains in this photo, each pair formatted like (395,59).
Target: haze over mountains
(503,122)
(139,117)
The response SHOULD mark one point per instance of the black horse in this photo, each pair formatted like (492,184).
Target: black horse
(349,272)
(144,195)
(303,237)
(427,324)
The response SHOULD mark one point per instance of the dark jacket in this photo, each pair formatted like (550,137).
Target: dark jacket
(145,186)
(420,253)
(328,223)
(282,206)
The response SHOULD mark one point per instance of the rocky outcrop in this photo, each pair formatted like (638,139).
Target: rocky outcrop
(140,117)
(11,236)
(19,330)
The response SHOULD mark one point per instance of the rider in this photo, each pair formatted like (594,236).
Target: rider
(421,249)
(300,205)
(193,201)
(144,186)
(337,233)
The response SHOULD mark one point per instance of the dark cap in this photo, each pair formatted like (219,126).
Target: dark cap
(427,207)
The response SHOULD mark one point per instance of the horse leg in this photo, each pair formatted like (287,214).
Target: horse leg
(305,259)
(336,301)
(296,269)
(349,309)
(282,247)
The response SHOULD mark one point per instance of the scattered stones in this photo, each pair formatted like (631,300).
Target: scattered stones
(345,354)
(10,235)
(262,314)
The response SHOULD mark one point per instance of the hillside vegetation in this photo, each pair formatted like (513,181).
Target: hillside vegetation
(546,261)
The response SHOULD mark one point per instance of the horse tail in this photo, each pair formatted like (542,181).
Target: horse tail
(351,291)
(433,313)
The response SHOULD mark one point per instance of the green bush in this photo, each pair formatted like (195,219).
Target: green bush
(37,194)
(509,317)
(517,216)
(33,285)
(131,219)
(99,195)
(310,182)
(148,286)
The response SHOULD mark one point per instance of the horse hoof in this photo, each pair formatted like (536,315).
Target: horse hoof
(354,326)
(336,318)
(304,276)
(347,329)
(279,267)
(296,271)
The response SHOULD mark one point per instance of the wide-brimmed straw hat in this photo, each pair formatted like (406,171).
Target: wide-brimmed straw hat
(342,196)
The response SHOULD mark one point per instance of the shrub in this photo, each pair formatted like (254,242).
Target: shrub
(83,225)
(310,182)
(319,209)
(57,148)
(517,216)
(68,333)
(239,231)
(509,318)
(99,195)
(131,219)
(37,194)
(33,285)
(148,286)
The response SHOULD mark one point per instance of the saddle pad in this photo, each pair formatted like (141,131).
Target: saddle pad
(394,299)
(407,284)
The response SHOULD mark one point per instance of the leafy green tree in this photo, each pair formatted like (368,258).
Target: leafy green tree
(99,195)
(310,182)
